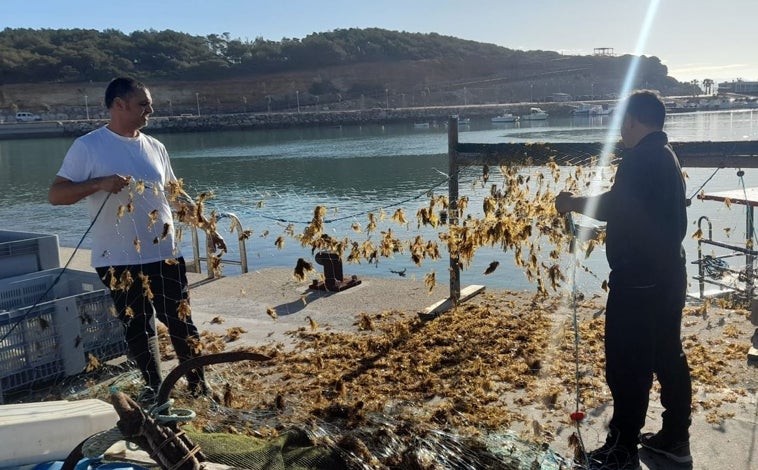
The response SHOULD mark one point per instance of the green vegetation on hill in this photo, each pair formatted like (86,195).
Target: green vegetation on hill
(340,69)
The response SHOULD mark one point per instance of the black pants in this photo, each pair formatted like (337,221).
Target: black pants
(169,286)
(642,338)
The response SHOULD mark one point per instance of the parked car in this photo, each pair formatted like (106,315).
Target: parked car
(23,116)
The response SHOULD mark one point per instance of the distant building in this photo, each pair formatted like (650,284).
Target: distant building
(739,87)
(604,51)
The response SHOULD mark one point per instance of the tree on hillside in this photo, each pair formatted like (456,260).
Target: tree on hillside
(695,87)
(708,84)
(73,55)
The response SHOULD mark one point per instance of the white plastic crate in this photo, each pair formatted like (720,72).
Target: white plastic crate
(73,319)
(25,252)
(48,430)
(29,348)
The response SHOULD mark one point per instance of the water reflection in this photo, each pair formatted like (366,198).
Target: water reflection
(274,178)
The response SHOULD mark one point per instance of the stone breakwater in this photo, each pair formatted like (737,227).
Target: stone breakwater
(217,122)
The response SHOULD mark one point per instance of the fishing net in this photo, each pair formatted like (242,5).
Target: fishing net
(489,384)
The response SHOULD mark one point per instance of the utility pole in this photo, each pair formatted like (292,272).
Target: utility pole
(197,101)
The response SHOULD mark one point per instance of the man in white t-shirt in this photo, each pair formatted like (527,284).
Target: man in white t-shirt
(125,175)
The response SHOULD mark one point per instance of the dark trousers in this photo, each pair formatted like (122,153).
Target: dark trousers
(642,338)
(169,286)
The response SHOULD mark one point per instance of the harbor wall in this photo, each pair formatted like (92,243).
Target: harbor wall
(216,122)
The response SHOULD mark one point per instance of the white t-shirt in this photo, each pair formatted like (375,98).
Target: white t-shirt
(131,226)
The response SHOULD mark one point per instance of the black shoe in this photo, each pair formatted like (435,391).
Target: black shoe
(676,450)
(599,453)
(613,458)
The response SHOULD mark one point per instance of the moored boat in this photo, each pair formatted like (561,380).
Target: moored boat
(585,109)
(535,114)
(504,118)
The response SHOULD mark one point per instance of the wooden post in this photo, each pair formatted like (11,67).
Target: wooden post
(452,196)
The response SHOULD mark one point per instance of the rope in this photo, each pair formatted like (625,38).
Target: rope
(689,199)
(741,176)
(357,214)
(714,267)
(576,416)
(175,415)
(57,278)
(189,455)
(169,440)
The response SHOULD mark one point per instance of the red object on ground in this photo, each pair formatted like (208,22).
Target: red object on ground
(577,416)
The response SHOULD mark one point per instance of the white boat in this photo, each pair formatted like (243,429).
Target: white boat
(504,118)
(535,114)
(585,109)
(421,125)
(603,110)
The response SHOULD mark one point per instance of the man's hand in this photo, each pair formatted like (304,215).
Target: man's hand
(64,191)
(565,202)
(113,183)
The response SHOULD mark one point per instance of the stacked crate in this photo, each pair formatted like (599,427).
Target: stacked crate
(51,319)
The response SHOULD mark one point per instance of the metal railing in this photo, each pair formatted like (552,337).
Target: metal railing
(196,266)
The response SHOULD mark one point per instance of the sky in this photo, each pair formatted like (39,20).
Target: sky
(696,39)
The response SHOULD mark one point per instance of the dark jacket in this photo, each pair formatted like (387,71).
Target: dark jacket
(646,214)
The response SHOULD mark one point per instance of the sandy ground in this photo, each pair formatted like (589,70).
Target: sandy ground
(725,419)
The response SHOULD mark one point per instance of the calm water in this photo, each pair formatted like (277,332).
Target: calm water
(351,171)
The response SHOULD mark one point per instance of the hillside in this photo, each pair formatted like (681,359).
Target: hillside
(62,73)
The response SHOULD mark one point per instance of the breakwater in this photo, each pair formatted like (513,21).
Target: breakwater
(248,121)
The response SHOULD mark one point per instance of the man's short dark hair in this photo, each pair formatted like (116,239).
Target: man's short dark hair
(121,87)
(647,108)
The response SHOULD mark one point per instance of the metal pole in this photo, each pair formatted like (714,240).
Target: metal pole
(452,196)
(197,100)
(749,274)
(86,106)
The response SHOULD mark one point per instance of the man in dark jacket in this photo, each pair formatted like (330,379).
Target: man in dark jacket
(645,211)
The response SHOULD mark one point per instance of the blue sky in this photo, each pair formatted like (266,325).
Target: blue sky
(696,39)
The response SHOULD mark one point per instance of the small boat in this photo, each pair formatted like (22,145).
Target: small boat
(504,118)
(535,114)
(603,110)
(585,109)
(421,125)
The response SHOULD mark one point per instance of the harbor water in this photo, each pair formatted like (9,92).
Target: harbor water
(274,179)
